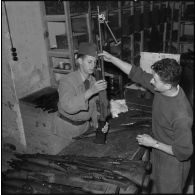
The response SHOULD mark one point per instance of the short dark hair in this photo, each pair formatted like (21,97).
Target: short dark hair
(169,70)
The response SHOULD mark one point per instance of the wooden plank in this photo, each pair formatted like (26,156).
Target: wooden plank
(59,53)
(57,70)
(47,43)
(55,18)
(69,33)
(78,34)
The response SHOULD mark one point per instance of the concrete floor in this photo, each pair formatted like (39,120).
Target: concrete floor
(38,129)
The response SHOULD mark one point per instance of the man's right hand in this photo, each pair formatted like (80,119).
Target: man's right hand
(107,56)
(124,66)
(96,88)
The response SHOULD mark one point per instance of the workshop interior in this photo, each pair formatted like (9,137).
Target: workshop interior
(40,41)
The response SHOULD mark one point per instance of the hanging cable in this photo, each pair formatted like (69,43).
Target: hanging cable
(13,49)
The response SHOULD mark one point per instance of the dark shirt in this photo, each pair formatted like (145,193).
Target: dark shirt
(172,119)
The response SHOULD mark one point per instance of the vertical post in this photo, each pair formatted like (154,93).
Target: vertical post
(132,35)
(89,21)
(142,31)
(165,32)
(100,46)
(47,43)
(69,32)
(179,27)
(119,14)
(151,9)
(120,24)
(171,30)
(164,36)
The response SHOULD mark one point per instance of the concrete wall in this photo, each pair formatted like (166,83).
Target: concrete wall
(31,71)
(12,125)
(27,75)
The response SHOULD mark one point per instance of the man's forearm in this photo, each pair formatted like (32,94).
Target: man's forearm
(124,66)
(163,147)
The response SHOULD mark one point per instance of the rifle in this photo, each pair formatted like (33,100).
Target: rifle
(102,103)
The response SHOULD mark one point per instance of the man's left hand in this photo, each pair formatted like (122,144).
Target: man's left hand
(145,140)
(105,128)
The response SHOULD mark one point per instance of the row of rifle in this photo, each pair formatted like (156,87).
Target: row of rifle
(42,173)
(47,102)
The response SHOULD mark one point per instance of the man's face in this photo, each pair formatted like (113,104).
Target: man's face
(159,85)
(88,64)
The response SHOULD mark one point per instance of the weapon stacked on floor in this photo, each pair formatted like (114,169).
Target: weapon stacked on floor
(41,173)
(47,102)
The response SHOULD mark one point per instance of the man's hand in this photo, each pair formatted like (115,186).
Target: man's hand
(105,128)
(124,66)
(107,56)
(146,140)
(96,88)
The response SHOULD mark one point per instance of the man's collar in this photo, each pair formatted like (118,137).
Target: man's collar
(172,93)
(82,76)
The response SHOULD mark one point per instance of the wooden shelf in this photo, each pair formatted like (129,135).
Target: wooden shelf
(186,43)
(187,22)
(65,18)
(59,53)
(78,34)
(76,15)
(61,71)
(55,18)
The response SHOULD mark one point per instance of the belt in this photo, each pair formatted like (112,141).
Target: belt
(71,121)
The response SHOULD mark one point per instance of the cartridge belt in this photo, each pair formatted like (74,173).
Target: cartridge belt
(70,121)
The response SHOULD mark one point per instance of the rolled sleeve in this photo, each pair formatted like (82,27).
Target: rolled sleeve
(182,146)
(140,76)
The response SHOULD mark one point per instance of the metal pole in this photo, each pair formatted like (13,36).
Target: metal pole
(100,48)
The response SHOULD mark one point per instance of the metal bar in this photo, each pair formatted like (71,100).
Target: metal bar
(106,22)
(132,36)
(100,42)
(89,28)
(6,15)
(164,36)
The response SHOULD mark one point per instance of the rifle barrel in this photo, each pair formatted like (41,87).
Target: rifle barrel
(100,46)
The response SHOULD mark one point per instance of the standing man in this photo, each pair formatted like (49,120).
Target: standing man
(172,119)
(78,92)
